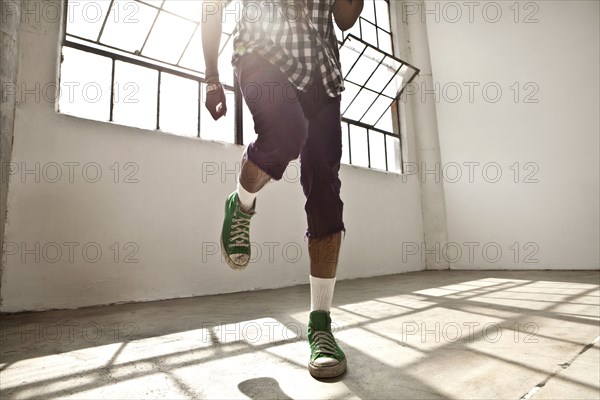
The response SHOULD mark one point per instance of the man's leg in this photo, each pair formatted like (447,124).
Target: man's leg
(320,163)
(282,129)
(324,254)
(251,180)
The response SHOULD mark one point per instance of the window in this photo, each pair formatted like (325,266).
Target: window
(140,63)
(374,79)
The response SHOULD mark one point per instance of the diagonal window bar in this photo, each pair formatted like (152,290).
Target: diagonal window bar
(112,2)
(188,44)
(141,50)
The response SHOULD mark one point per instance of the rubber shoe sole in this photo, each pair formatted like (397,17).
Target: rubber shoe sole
(232,264)
(327,372)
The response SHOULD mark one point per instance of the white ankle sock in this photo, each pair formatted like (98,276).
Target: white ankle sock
(321,293)
(246,198)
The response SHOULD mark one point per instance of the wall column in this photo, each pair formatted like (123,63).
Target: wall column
(10,25)
(413,46)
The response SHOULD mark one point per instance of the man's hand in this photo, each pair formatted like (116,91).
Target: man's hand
(346,12)
(212,12)
(215,100)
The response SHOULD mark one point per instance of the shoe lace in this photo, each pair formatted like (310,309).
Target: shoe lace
(240,232)
(324,343)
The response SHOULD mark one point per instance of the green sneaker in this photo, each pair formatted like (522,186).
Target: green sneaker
(327,360)
(235,236)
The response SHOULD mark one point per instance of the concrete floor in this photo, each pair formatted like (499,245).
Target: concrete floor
(449,334)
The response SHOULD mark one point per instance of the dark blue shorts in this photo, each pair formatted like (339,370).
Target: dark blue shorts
(291,124)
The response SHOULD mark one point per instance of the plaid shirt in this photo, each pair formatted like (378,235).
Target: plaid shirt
(295,35)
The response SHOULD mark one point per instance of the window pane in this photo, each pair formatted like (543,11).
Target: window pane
(405,72)
(393,153)
(225,67)
(368,11)
(221,130)
(385,41)
(135,103)
(168,38)
(382,8)
(178,105)
(191,9)
(369,32)
(384,73)
(358,143)
(128,24)
(394,86)
(377,109)
(349,54)
(363,101)
(365,66)
(377,149)
(85,85)
(85,19)
(345,146)
(385,123)
(193,57)
(348,95)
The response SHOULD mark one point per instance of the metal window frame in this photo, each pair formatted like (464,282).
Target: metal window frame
(394,100)
(101,49)
(372,127)
(380,93)
(116,54)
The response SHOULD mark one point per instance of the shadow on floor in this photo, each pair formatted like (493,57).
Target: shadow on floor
(263,388)
(25,336)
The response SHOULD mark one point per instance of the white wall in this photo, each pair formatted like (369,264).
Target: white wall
(172,214)
(558,134)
